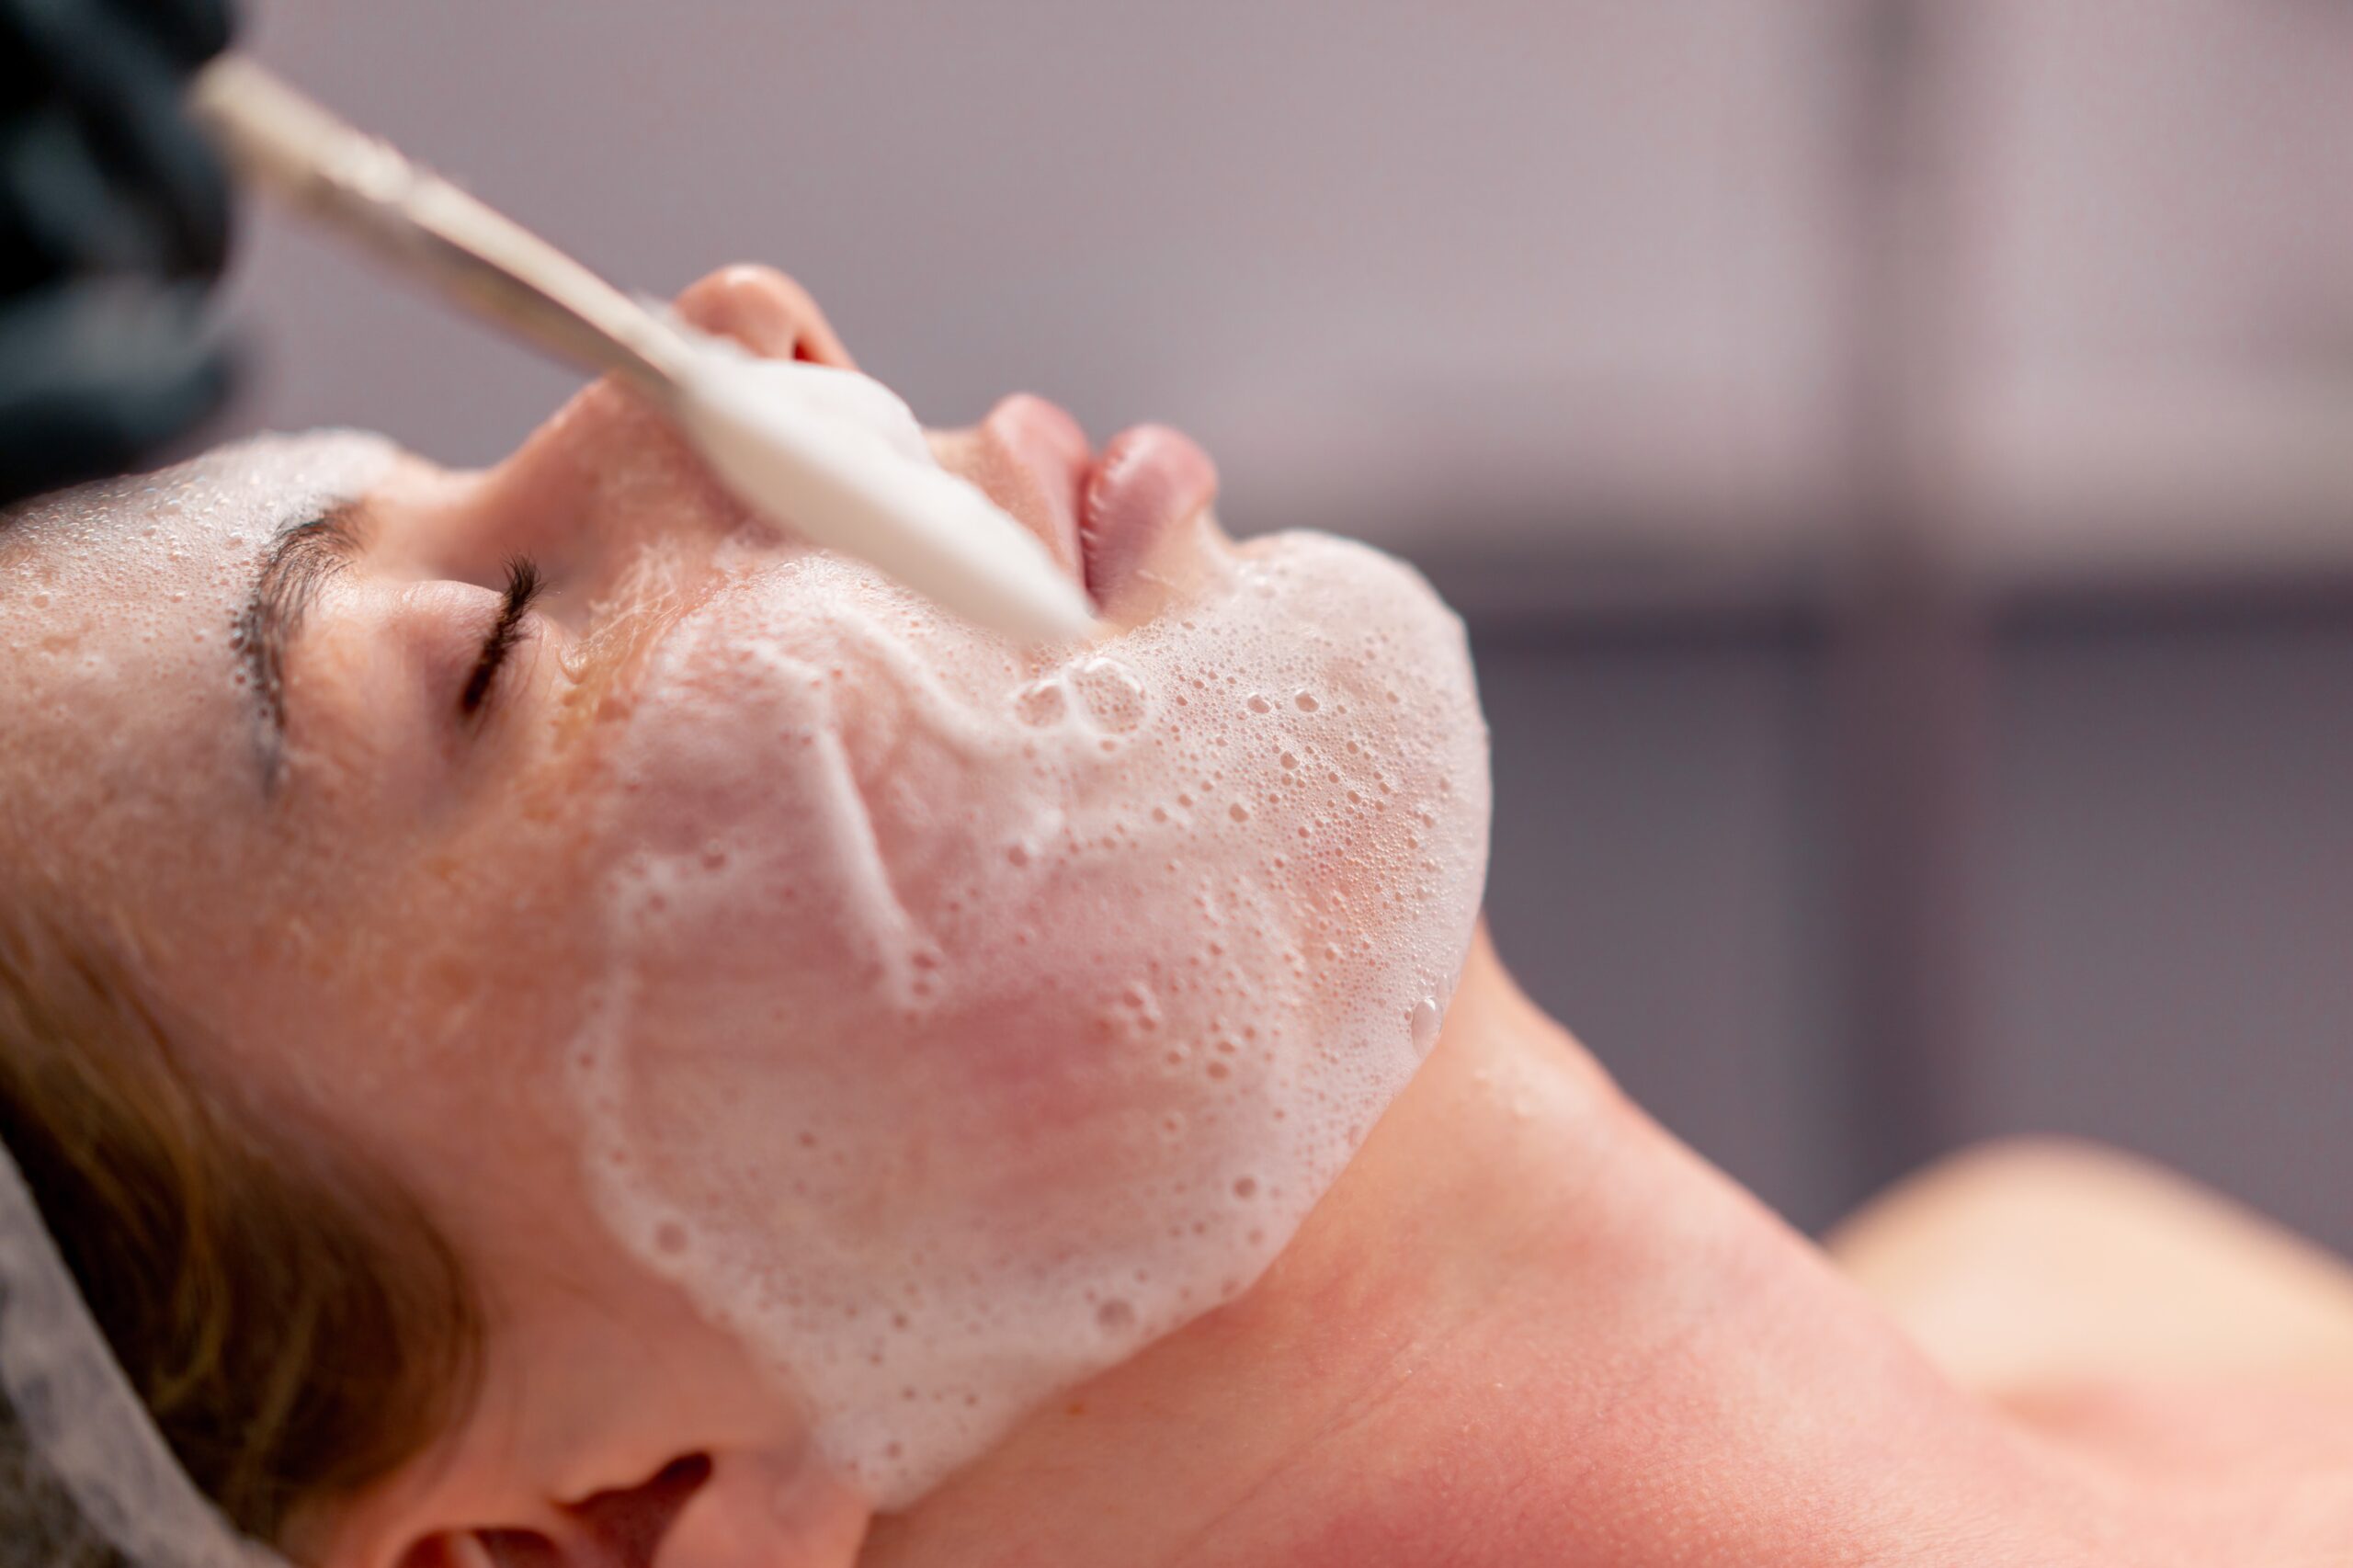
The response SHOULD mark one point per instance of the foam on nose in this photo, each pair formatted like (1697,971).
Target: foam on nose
(974,1021)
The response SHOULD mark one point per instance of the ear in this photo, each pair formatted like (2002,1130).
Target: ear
(738,1510)
(754,1510)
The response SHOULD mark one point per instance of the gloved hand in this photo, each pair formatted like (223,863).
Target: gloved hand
(113,224)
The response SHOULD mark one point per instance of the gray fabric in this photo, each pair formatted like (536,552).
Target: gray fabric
(86,1480)
(39,1527)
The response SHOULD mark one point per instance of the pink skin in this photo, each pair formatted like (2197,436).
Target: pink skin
(1526,1326)
(1029,450)
(889,890)
(1149,472)
(394,946)
(1099,513)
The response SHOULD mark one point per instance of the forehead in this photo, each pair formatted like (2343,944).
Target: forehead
(118,602)
(127,535)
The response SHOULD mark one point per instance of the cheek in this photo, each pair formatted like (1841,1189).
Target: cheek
(410,982)
(964,1032)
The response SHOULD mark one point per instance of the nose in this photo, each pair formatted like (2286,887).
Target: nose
(767,312)
(607,474)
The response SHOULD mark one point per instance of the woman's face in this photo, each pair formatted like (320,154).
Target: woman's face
(947,1019)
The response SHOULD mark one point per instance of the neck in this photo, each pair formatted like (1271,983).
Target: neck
(1527,1326)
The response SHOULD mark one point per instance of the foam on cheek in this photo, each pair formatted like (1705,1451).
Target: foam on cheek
(972,1024)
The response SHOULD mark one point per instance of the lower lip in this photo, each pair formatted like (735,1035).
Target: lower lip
(1148,480)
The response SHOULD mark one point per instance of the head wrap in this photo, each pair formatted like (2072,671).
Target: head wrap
(86,1479)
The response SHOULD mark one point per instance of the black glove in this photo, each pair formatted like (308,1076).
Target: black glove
(114,217)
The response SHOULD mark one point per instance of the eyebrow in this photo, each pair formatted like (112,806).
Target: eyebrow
(303,560)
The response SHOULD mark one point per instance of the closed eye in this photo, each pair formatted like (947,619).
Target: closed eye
(523,585)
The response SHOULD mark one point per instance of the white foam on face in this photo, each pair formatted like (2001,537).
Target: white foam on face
(974,1022)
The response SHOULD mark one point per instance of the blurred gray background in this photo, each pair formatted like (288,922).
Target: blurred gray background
(1895,458)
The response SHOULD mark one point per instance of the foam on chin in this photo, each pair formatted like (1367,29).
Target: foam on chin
(973,1023)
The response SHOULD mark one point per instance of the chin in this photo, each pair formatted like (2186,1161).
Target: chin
(974,1019)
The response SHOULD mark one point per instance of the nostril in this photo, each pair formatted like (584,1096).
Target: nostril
(766,312)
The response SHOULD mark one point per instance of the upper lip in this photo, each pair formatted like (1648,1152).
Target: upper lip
(1034,460)
(1098,512)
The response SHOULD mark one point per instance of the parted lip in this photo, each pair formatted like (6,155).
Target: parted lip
(1100,513)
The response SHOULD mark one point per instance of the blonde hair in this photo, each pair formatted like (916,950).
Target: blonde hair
(295,1324)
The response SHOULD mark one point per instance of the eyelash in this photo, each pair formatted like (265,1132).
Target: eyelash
(523,585)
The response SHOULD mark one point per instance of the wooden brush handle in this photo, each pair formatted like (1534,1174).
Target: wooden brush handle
(420,222)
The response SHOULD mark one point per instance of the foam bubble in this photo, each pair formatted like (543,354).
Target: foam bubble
(976,1022)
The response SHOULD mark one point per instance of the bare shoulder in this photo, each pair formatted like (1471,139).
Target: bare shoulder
(2028,1263)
